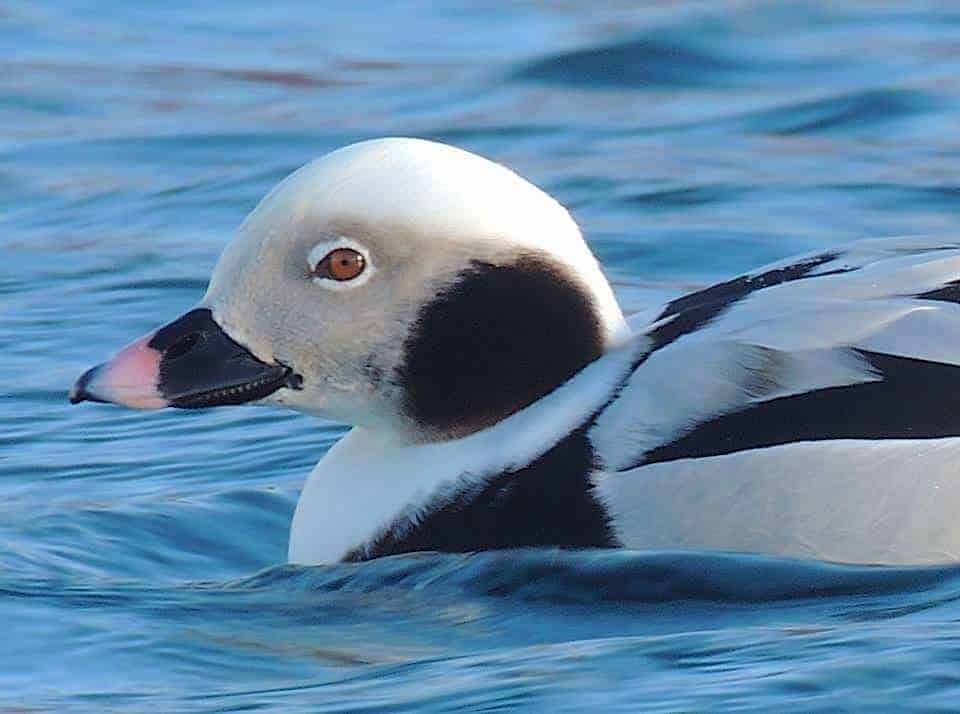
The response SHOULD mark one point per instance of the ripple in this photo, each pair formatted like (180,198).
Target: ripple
(618,576)
(685,197)
(896,197)
(256,75)
(847,113)
(31,103)
(637,63)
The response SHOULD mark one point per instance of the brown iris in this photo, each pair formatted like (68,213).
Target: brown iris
(340,264)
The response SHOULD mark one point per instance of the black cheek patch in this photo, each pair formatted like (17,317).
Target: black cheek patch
(498,339)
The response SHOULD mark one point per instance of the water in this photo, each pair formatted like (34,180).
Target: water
(142,557)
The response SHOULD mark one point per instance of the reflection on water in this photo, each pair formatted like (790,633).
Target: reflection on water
(142,559)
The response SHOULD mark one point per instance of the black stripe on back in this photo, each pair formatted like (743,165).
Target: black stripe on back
(915,399)
(948,293)
(693,311)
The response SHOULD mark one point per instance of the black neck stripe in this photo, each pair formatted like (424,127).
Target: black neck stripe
(549,502)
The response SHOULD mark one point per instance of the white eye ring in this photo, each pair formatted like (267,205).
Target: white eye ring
(321,250)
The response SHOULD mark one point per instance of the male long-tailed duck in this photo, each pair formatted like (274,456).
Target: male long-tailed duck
(451,312)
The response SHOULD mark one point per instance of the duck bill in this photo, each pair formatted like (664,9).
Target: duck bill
(190,363)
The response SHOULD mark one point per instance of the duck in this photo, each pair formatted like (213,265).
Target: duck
(451,313)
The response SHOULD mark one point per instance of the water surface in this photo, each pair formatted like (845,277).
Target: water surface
(142,559)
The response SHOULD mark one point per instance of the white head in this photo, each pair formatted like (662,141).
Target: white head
(396,283)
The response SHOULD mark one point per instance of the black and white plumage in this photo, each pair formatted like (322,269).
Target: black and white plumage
(812,413)
(500,399)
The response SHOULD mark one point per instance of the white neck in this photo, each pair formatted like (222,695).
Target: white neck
(370,479)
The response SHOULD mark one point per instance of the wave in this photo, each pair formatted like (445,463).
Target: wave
(558,576)
(843,112)
(642,62)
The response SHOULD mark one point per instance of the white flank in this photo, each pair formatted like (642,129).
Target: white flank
(892,502)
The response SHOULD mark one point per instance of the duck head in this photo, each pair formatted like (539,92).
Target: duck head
(394,284)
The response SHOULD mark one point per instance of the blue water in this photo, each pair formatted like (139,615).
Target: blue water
(141,566)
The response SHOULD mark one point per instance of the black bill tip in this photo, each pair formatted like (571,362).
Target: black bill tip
(80,392)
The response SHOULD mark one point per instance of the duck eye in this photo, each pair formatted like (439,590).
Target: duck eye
(340,265)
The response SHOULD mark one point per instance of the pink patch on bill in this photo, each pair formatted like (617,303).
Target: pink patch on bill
(131,378)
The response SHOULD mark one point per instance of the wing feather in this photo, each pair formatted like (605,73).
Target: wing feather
(860,329)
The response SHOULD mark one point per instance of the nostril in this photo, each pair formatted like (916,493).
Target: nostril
(294,381)
(184,345)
